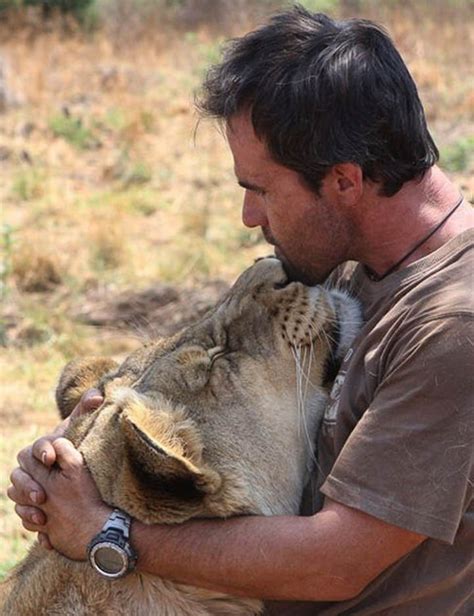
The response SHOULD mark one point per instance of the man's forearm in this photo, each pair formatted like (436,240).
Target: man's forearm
(269,558)
(331,556)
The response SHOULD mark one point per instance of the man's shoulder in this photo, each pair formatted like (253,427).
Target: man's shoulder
(444,287)
(437,286)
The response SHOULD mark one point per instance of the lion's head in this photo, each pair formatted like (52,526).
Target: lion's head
(219,419)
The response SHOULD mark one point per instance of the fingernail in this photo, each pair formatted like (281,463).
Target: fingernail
(92,393)
(34,496)
(36,518)
(43,457)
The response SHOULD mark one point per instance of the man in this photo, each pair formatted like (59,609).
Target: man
(330,144)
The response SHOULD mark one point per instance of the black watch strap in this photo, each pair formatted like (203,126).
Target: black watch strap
(117,527)
(114,538)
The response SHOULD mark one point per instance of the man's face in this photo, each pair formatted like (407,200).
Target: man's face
(309,233)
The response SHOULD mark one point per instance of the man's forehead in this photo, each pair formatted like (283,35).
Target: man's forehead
(251,176)
(252,159)
(240,130)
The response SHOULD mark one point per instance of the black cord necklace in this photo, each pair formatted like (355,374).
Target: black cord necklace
(391,269)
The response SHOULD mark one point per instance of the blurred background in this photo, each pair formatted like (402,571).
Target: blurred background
(119,211)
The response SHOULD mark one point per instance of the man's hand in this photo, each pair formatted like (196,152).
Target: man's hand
(26,491)
(73,509)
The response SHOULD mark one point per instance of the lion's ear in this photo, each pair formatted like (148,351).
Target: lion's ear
(161,476)
(77,377)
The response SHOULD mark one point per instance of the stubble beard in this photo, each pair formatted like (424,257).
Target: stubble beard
(296,273)
(307,273)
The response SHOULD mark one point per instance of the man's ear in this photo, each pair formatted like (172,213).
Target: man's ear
(345,181)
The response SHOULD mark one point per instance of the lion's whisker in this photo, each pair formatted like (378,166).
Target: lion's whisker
(299,354)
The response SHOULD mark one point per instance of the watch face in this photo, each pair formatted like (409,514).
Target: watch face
(109,559)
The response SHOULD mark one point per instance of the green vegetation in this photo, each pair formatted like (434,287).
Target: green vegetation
(73,131)
(27,185)
(139,173)
(9,5)
(115,119)
(6,250)
(66,6)
(458,156)
(77,8)
(190,11)
(321,6)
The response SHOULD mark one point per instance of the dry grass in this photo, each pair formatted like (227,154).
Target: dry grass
(103,184)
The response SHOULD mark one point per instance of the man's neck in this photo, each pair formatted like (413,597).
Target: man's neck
(390,227)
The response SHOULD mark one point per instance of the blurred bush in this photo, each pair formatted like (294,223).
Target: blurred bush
(188,13)
(77,8)
(72,130)
(126,19)
(457,156)
(65,6)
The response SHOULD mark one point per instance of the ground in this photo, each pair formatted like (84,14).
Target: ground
(120,216)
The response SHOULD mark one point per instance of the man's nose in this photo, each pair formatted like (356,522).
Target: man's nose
(253,211)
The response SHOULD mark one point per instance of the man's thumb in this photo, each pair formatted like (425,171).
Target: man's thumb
(90,401)
(67,456)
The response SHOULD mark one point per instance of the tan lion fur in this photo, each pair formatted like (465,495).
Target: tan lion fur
(216,421)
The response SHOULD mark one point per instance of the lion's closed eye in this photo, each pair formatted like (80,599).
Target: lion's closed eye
(216,353)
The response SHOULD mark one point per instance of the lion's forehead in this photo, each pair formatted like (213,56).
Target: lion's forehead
(260,311)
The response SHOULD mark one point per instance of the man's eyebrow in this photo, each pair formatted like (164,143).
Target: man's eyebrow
(249,186)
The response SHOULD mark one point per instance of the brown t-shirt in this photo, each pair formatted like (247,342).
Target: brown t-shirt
(397,437)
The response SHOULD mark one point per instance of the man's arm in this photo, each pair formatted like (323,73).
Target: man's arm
(330,556)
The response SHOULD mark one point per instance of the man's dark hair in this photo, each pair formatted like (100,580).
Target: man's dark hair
(323,92)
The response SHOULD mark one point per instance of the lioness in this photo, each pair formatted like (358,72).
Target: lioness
(216,421)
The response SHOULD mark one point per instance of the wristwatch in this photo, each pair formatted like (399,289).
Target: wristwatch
(110,552)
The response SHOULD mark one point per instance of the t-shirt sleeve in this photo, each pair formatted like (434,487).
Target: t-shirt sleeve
(409,459)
